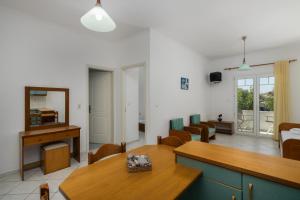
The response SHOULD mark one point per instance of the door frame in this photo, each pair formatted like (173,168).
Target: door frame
(113,118)
(256,114)
(123,98)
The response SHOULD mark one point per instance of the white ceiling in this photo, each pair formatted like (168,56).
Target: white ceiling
(212,27)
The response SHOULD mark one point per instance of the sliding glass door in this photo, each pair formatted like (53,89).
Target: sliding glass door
(255,105)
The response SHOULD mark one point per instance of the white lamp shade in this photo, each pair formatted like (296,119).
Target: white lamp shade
(244,67)
(98,20)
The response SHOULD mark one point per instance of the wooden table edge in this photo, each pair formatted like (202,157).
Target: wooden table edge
(198,174)
(240,169)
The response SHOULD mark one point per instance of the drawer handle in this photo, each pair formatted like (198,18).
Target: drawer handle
(250,190)
(233,197)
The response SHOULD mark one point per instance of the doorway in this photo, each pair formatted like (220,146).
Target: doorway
(100,108)
(255,105)
(133,103)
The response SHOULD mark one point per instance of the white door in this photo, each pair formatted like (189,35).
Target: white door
(131,80)
(100,107)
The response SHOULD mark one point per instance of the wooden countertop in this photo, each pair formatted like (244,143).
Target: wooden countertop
(277,169)
(109,179)
(48,131)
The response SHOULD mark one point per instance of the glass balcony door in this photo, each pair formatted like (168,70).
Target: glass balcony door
(266,105)
(245,104)
(255,105)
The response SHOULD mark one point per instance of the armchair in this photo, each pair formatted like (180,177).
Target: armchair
(208,129)
(185,133)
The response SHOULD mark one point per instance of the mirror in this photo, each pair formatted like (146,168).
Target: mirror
(46,107)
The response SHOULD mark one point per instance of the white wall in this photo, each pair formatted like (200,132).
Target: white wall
(38,53)
(222,95)
(130,51)
(169,60)
(34,52)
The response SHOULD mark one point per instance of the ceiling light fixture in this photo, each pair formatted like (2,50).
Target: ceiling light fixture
(98,20)
(244,66)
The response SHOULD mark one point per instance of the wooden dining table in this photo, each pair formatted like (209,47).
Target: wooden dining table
(109,178)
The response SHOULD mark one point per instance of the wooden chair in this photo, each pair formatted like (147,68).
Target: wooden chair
(185,133)
(106,150)
(171,141)
(44,192)
(208,129)
(291,146)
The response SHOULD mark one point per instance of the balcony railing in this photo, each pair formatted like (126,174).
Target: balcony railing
(245,122)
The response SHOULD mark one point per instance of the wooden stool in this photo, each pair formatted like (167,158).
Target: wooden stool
(55,156)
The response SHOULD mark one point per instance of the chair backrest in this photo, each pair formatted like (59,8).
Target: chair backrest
(176,124)
(44,192)
(106,150)
(195,119)
(170,140)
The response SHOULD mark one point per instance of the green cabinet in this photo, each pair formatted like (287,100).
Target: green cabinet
(219,174)
(216,183)
(260,189)
(209,189)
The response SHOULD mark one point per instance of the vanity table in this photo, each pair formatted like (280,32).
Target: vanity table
(29,138)
(54,130)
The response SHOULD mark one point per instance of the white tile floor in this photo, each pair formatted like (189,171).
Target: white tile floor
(11,186)
(94,146)
(249,143)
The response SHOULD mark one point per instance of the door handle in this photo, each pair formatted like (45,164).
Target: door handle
(250,191)
(233,197)
(90,109)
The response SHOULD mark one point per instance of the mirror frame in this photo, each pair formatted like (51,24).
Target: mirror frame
(27,108)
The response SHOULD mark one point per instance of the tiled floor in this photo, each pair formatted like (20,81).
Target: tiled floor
(249,143)
(94,146)
(11,187)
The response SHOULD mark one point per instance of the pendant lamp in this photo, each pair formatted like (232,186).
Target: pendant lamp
(244,66)
(98,20)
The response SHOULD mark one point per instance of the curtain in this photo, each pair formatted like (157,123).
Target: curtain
(281,95)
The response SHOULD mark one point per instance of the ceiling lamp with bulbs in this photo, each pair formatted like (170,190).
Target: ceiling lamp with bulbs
(98,20)
(244,66)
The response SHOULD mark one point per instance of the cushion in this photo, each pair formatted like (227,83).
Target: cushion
(177,124)
(211,132)
(56,145)
(195,119)
(196,137)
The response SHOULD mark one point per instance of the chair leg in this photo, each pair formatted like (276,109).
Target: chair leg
(213,137)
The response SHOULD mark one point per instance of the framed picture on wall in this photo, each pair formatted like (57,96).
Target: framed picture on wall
(184,83)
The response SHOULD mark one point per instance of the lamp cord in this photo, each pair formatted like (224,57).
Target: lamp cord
(244,39)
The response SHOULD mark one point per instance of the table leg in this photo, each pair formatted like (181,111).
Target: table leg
(21,159)
(76,148)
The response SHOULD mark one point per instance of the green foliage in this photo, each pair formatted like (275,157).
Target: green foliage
(266,101)
(245,99)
